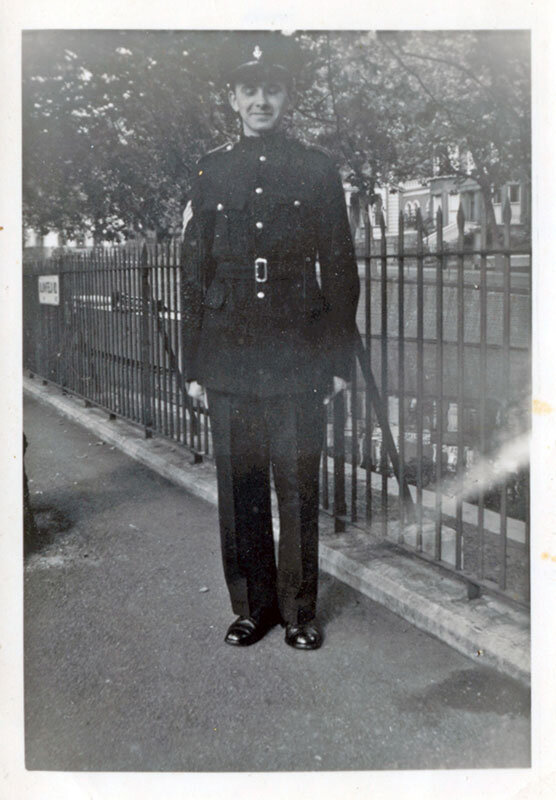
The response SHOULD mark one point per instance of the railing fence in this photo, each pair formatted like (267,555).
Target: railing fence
(440,384)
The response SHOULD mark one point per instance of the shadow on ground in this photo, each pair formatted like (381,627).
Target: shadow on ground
(48,523)
(471,690)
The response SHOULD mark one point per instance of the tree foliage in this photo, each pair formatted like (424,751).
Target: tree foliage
(114,121)
(113,125)
(475,90)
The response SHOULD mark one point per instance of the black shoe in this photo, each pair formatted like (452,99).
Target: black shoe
(247,630)
(305,636)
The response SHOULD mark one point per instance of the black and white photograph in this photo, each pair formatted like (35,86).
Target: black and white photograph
(277,372)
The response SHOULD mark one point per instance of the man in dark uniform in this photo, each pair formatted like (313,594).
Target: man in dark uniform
(268,342)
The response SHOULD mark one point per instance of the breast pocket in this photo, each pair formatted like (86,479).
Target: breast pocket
(228,208)
(290,226)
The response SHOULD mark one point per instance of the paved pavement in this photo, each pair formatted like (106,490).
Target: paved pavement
(126,669)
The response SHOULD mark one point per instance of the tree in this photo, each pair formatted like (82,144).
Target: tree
(395,105)
(114,123)
(358,105)
(475,92)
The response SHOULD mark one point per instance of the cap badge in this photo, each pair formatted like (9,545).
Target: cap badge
(257,52)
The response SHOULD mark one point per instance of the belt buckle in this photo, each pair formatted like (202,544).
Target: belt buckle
(261,270)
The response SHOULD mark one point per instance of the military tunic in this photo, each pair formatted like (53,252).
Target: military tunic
(265,331)
(271,198)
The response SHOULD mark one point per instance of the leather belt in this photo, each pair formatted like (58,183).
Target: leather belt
(261,270)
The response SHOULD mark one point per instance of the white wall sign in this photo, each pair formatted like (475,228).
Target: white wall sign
(49,290)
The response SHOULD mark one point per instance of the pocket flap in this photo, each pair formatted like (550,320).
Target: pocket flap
(216,295)
(225,196)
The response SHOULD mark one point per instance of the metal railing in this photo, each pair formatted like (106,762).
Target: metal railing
(443,362)
(115,339)
(446,333)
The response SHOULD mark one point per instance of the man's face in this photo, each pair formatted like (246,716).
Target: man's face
(261,105)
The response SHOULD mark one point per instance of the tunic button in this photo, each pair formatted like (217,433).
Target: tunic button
(296,203)
(260,295)
(258,190)
(229,146)
(219,207)
(262,158)
(259,225)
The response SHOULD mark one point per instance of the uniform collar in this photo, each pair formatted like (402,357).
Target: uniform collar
(267,141)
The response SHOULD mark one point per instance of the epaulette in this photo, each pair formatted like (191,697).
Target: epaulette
(318,149)
(227,146)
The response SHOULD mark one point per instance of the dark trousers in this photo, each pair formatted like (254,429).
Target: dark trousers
(250,435)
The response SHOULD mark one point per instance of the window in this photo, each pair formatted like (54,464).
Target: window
(497,196)
(472,207)
(410,213)
(514,192)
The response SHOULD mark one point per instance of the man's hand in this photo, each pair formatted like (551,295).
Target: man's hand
(196,392)
(339,385)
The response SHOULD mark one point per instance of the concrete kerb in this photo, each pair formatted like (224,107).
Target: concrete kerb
(486,628)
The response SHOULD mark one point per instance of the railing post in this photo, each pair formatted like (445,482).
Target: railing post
(384,370)
(62,352)
(439,382)
(146,374)
(401,371)
(180,303)
(420,376)
(506,367)
(368,416)
(460,383)
(483,386)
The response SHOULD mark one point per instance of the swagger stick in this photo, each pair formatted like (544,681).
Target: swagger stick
(382,414)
